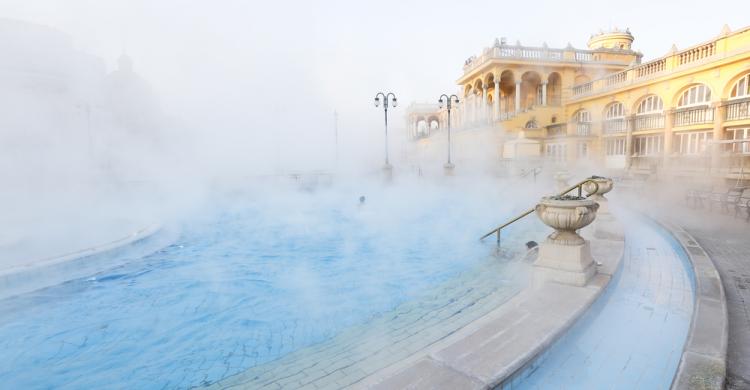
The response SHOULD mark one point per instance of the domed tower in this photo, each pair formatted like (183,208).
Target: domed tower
(614,39)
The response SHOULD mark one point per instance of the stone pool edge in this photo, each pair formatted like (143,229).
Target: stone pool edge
(703,362)
(494,351)
(59,269)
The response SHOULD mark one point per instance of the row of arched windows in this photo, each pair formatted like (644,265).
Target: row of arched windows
(696,95)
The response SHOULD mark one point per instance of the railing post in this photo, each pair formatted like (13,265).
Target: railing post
(498,238)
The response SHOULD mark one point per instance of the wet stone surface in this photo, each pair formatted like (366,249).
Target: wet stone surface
(729,248)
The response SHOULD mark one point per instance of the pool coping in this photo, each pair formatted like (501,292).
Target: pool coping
(703,361)
(59,269)
(523,340)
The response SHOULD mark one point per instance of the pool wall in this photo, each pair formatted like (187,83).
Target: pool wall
(703,361)
(88,261)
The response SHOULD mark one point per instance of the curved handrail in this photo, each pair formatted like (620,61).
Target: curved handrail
(578,185)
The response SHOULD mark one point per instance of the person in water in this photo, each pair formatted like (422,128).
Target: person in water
(532,248)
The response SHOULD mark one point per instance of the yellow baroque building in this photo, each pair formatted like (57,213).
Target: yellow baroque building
(683,114)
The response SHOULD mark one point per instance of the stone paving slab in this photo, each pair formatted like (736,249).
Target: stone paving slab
(727,242)
(429,374)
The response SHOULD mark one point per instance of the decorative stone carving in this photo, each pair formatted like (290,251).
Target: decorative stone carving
(603,186)
(606,226)
(566,214)
(565,257)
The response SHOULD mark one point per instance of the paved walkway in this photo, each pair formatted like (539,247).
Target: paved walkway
(727,242)
(633,336)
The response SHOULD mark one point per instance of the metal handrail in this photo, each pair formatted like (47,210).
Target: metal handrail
(531,210)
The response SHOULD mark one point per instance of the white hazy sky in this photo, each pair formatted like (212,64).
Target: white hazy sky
(288,64)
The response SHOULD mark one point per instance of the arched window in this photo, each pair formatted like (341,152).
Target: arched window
(615,111)
(696,95)
(614,118)
(649,114)
(695,106)
(531,124)
(582,120)
(650,105)
(741,88)
(582,116)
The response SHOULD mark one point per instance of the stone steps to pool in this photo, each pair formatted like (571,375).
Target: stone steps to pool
(391,337)
(488,352)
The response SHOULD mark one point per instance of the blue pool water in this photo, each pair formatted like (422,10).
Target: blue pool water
(241,287)
(633,336)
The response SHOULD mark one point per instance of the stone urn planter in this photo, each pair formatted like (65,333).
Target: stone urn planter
(604,184)
(566,214)
(565,257)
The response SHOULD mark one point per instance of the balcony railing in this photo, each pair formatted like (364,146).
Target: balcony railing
(613,126)
(737,110)
(583,88)
(616,78)
(648,122)
(697,53)
(694,116)
(583,128)
(650,68)
(693,56)
(528,53)
(557,130)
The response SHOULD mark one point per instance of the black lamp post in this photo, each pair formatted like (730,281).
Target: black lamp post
(387,97)
(448,100)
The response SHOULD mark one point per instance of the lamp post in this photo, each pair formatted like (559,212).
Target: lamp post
(448,101)
(387,97)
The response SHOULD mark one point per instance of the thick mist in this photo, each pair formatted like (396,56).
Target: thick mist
(115,114)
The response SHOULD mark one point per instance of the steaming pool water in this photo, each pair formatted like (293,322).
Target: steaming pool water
(251,282)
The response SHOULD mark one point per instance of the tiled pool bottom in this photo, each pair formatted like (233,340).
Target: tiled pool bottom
(246,288)
(363,350)
(633,336)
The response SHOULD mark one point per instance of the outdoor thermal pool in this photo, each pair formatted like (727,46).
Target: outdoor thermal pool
(255,280)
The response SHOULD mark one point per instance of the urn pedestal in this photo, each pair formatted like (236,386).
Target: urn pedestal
(565,257)
(603,186)
(605,226)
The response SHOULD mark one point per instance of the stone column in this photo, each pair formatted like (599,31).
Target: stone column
(628,141)
(518,96)
(544,93)
(496,101)
(473,108)
(718,135)
(668,139)
(484,105)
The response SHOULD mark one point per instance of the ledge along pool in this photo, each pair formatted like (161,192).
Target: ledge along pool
(245,286)
(634,334)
